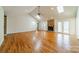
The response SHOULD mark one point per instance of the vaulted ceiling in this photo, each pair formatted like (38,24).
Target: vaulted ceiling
(46,11)
(17,10)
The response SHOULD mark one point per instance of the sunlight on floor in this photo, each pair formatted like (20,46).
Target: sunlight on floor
(63,41)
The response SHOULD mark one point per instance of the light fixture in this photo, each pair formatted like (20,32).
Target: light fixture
(38,14)
(60,9)
(38,17)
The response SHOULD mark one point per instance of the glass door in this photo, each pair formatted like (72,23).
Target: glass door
(63,27)
(59,26)
(66,27)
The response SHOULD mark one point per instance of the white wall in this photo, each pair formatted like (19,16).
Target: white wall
(43,25)
(77,23)
(72,24)
(21,24)
(10,24)
(1,25)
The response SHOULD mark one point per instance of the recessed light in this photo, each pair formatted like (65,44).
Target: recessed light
(52,8)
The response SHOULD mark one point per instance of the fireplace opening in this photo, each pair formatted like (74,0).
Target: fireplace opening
(50,28)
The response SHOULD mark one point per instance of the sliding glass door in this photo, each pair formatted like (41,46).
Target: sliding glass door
(63,26)
(66,27)
(59,26)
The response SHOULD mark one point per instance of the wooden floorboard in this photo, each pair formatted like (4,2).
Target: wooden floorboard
(39,42)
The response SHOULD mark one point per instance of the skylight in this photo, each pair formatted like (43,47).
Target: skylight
(60,9)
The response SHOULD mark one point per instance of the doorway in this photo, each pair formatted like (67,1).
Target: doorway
(5,24)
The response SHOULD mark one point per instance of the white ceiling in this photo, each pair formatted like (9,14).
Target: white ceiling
(46,12)
(17,10)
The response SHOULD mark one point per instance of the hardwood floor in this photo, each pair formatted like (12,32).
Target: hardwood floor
(39,41)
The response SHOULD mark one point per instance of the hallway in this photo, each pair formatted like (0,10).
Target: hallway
(39,41)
